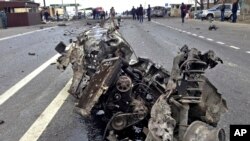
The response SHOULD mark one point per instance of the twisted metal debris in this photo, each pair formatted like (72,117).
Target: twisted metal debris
(133,98)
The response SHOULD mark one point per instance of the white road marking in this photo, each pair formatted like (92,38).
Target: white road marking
(221,43)
(202,37)
(26,33)
(11,91)
(194,35)
(37,128)
(184,31)
(234,47)
(209,39)
(189,33)
(248,52)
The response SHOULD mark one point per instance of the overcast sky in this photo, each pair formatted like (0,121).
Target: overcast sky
(119,5)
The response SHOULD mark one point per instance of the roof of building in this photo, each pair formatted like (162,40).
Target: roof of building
(17,4)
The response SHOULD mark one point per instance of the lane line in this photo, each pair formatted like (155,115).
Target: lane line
(26,33)
(234,47)
(202,37)
(38,127)
(248,52)
(12,91)
(221,43)
(209,39)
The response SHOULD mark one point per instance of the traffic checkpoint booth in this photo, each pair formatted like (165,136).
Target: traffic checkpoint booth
(21,13)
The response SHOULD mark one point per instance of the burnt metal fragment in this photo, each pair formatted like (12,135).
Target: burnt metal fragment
(133,98)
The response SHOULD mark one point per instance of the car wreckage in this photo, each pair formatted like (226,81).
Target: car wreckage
(133,98)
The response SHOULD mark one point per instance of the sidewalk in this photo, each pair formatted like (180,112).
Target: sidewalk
(20,30)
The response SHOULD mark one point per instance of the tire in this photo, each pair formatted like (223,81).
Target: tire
(230,18)
(210,16)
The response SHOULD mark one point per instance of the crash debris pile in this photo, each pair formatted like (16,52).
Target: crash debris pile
(133,98)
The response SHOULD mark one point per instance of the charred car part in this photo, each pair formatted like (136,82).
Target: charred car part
(86,53)
(142,100)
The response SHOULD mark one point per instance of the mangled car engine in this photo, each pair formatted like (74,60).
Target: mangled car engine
(133,98)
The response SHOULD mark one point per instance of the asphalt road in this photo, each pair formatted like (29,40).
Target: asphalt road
(20,111)
(161,39)
(38,89)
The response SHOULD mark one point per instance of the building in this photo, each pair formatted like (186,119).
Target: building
(21,12)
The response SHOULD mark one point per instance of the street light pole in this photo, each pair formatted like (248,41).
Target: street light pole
(195,7)
(76,9)
(63,10)
(44,3)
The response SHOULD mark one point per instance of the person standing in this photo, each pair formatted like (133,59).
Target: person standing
(140,13)
(112,13)
(137,13)
(46,15)
(234,10)
(93,13)
(149,12)
(222,10)
(133,11)
(57,16)
(183,11)
(4,20)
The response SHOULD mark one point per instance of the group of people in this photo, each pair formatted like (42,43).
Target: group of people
(3,19)
(235,7)
(99,14)
(139,12)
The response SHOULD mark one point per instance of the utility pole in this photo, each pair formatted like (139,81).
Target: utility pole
(195,8)
(63,10)
(76,9)
(44,3)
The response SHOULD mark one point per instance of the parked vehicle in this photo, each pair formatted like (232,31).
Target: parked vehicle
(158,11)
(215,12)
(197,14)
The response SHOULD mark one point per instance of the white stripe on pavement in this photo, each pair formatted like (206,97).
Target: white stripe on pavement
(234,47)
(209,39)
(221,43)
(202,37)
(9,37)
(248,52)
(194,35)
(11,91)
(37,128)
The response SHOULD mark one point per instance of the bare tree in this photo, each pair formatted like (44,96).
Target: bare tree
(200,2)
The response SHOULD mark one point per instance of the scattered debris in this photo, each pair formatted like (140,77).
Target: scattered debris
(212,27)
(31,53)
(89,23)
(1,122)
(124,98)
(53,63)
(62,24)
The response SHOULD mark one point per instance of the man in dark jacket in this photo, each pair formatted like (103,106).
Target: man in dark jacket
(133,11)
(234,10)
(149,13)
(140,13)
(222,10)
(137,13)
(183,11)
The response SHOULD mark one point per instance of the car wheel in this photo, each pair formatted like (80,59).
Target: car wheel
(230,18)
(210,17)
